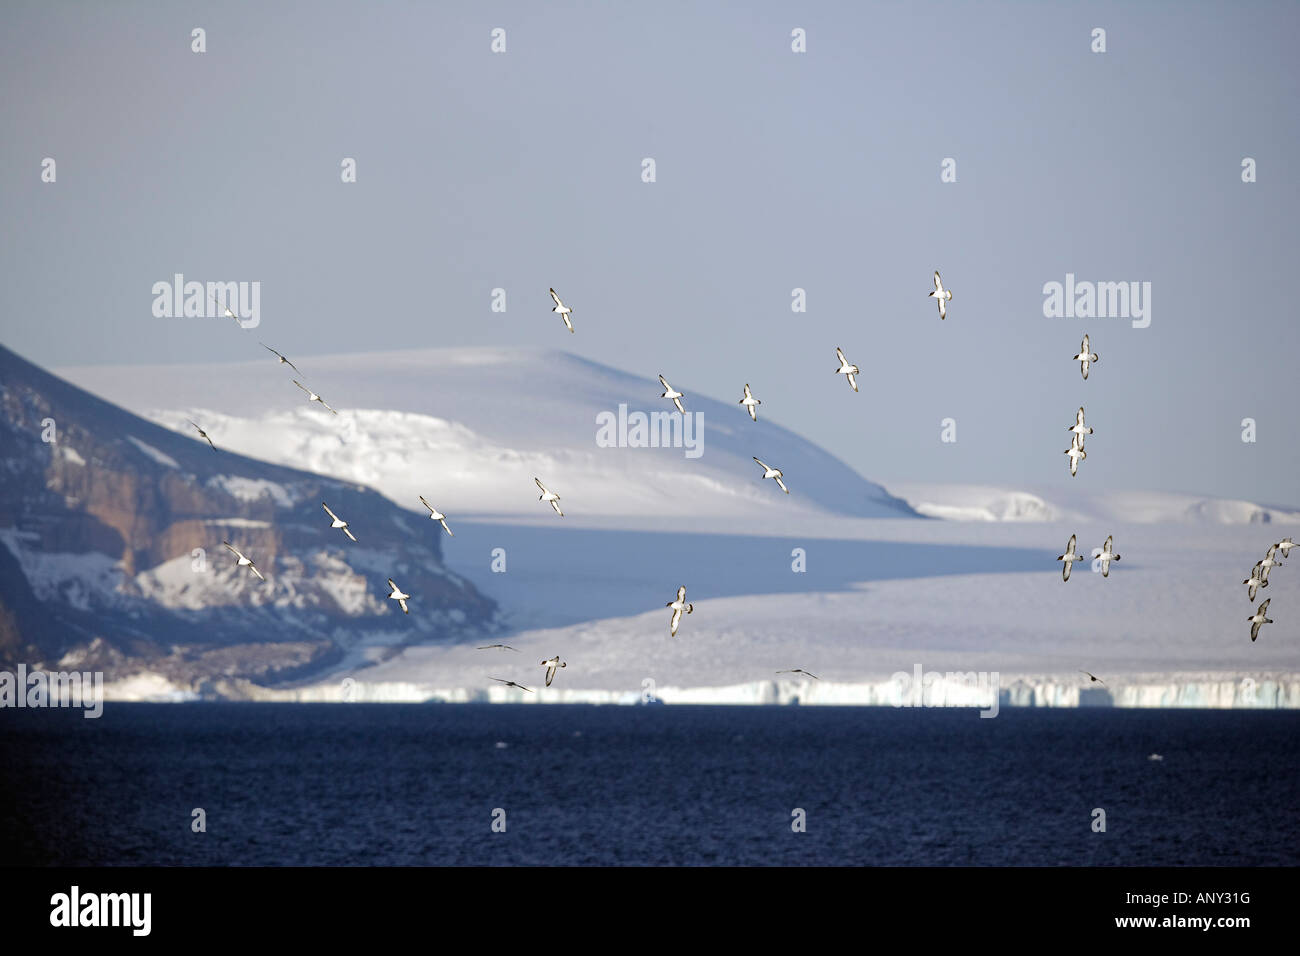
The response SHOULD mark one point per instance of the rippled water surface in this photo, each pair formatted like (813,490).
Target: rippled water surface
(395,785)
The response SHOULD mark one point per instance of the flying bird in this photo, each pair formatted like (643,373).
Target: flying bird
(1079,428)
(1269,562)
(563,309)
(678,607)
(337,522)
(1069,558)
(941,294)
(770,472)
(1094,677)
(550,496)
(750,403)
(312,396)
(436,515)
(510,683)
(1107,555)
(670,394)
(202,434)
(550,666)
(1257,620)
(846,369)
(228,312)
(244,562)
(1076,453)
(1285,546)
(1255,581)
(504,647)
(399,596)
(800,670)
(1085,358)
(283,360)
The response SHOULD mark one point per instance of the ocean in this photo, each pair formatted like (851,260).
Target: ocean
(382,785)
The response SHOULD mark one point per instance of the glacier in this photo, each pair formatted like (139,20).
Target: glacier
(1192,691)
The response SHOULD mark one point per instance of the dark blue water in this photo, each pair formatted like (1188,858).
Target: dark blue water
(393,785)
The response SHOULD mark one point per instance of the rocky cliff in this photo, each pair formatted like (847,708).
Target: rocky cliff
(111,553)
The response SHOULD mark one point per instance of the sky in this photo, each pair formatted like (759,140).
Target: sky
(775,170)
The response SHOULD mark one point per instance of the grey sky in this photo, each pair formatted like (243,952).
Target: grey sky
(775,170)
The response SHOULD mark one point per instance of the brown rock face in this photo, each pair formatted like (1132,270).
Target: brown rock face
(111,533)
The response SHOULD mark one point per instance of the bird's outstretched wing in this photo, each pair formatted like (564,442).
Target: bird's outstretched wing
(510,683)
(280,357)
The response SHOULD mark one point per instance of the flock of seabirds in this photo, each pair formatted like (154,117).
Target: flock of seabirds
(679,605)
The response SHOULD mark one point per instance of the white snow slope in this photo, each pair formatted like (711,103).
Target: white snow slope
(470,429)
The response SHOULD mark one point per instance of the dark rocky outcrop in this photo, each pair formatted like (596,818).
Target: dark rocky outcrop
(111,554)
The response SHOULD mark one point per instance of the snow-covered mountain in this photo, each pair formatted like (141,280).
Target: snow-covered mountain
(112,555)
(471,428)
